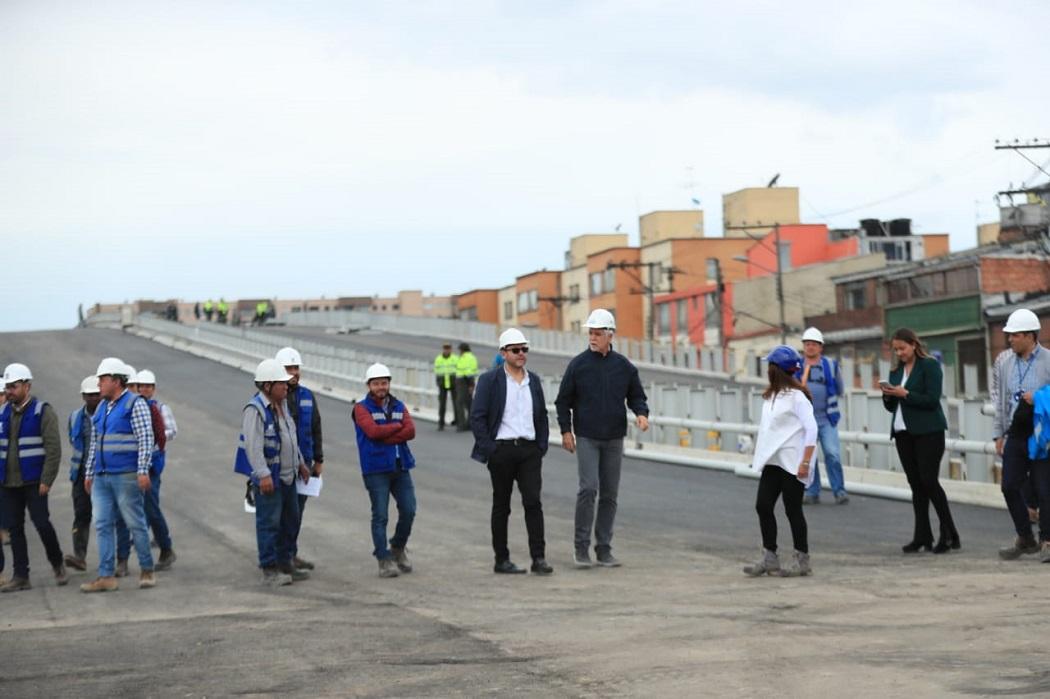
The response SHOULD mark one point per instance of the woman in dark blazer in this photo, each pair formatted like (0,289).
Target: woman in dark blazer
(913,395)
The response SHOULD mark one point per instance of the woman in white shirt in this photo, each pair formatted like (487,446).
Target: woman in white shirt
(787,436)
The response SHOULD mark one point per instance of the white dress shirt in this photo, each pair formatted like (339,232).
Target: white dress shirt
(787,428)
(517,411)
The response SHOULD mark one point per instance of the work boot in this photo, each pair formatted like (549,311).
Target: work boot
(401,559)
(800,568)
(387,568)
(167,557)
(122,568)
(810,499)
(101,585)
(294,573)
(769,565)
(75,562)
(606,559)
(60,575)
(541,567)
(1044,553)
(302,564)
(274,578)
(1021,545)
(147,579)
(582,558)
(16,584)
(841,499)
(507,567)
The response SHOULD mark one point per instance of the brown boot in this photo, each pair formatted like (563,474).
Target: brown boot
(101,585)
(16,584)
(147,579)
(75,562)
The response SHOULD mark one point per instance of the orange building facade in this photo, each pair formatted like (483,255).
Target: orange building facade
(539,303)
(618,291)
(481,305)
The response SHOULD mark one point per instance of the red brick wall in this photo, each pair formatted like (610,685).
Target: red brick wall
(1001,274)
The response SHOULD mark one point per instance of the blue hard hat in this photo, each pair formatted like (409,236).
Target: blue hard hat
(787,358)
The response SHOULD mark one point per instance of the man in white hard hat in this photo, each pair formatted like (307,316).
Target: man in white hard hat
(823,378)
(1017,377)
(268,454)
(30,456)
(594,388)
(80,427)
(146,381)
(117,475)
(511,433)
(307,417)
(384,429)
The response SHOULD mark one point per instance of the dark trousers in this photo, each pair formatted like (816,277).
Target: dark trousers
(81,516)
(774,483)
(462,398)
(1020,474)
(522,463)
(443,395)
(920,455)
(16,502)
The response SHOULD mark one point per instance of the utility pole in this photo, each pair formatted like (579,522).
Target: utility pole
(648,289)
(778,272)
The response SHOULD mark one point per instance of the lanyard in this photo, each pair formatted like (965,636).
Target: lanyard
(1021,376)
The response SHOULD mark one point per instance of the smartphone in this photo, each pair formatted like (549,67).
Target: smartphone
(884,384)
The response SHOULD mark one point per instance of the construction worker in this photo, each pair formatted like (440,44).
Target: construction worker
(511,432)
(30,455)
(268,454)
(80,426)
(823,378)
(594,388)
(466,372)
(307,418)
(146,381)
(5,539)
(224,310)
(209,309)
(118,464)
(445,375)
(384,428)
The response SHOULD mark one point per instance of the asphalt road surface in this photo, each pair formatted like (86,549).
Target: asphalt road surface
(679,619)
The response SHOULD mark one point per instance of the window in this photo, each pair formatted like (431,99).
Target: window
(712,269)
(574,293)
(856,296)
(528,301)
(711,319)
(785,257)
(508,310)
(957,281)
(577,326)
(681,321)
(596,283)
(609,284)
(663,318)
(469,313)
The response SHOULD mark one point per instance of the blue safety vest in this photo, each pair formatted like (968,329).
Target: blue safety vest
(30,441)
(377,457)
(304,424)
(80,439)
(117,450)
(271,442)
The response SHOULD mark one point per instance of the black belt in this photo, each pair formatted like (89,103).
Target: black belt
(517,441)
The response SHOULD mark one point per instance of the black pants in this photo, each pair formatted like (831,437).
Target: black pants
(16,502)
(521,463)
(462,398)
(775,482)
(443,395)
(920,455)
(81,516)
(1021,474)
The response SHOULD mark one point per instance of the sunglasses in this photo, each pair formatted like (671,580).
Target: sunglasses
(518,350)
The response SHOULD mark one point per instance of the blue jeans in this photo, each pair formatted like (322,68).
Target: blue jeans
(276,523)
(154,518)
(828,437)
(113,495)
(380,487)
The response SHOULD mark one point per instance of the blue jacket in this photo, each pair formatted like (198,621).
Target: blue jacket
(30,441)
(80,439)
(1039,442)
(833,381)
(375,456)
(486,412)
(118,448)
(271,443)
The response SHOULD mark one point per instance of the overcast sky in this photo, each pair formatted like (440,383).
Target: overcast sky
(252,148)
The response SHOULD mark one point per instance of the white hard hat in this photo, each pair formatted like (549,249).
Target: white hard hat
(1022,321)
(287,356)
(89,385)
(600,318)
(145,377)
(512,336)
(270,370)
(377,371)
(130,372)
(17,372)
(814,335)
(111,366)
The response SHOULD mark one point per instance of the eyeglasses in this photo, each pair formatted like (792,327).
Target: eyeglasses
(518,350)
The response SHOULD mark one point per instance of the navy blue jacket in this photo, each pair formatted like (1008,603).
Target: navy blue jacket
(486,412)
(593,391)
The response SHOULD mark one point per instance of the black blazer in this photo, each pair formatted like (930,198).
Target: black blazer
(922,408)
(486,412)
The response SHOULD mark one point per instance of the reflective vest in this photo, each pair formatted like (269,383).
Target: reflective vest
(207,305)
(304,424)
(830,370)
(445,368)
(157,460)
(117,450)
(467,366)
(30,441)
(223,307)
(80,439)
(271,442)
(377,457)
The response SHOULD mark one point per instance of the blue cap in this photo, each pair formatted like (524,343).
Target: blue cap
(787,358)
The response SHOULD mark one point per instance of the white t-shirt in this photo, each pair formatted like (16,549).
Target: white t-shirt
(787,428)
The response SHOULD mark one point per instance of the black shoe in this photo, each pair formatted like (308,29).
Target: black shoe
(946,545)
(441,428)
(916,546)
(541,567)
(167,557)
(507,567)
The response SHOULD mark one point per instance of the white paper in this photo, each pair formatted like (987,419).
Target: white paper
(250,509)
(311,488)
